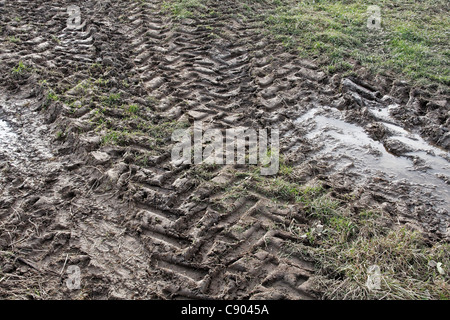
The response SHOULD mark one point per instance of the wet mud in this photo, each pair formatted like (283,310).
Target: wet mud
(151,229)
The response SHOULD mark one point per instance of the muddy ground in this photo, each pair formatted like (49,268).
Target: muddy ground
(79,187)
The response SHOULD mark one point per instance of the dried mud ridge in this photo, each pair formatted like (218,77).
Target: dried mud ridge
(151,229)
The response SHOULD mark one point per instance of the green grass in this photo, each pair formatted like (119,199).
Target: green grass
(51,95)
(279,188)
(158,135)
(114,137)
(348,245)
(161,133)
(21,68)
(60,135)
(112,99)
(412,43)
(13,39)
(183,8)
(132,109)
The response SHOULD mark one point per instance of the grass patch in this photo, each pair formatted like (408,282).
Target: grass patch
(161,133)
(52,96)
(413,41)
(132,109)
(20,69)
(183,8)
(401,254)
(115,137)
(279,189)
(13,39)
(111,100)
(346,245)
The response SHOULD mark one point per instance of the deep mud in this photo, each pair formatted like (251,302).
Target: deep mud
(152,229)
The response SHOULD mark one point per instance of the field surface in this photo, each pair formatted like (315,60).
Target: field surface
(87,180)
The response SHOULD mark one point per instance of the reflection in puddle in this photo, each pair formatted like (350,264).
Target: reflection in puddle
(343,143)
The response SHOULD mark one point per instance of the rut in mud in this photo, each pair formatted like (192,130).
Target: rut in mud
(139,226)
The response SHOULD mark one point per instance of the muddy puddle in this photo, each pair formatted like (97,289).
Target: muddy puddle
(22,141)
(350,149)
(7,139)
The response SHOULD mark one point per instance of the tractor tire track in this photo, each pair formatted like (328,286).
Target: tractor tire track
(152,228)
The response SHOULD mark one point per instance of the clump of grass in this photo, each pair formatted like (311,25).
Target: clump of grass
(100,81)
(20,69)
(52,96)
(133,109)
(115,137)
(13,39)
(183,8)
(111,100)
(162,132)
(321,207)
(56,39)
(278,188)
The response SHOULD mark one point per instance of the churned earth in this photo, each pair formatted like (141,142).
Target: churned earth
(86,177)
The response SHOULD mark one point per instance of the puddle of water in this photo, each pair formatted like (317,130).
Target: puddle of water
(8,139)
(6,135)
(435,158)
(20,144)
(383,113)
(348,143)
